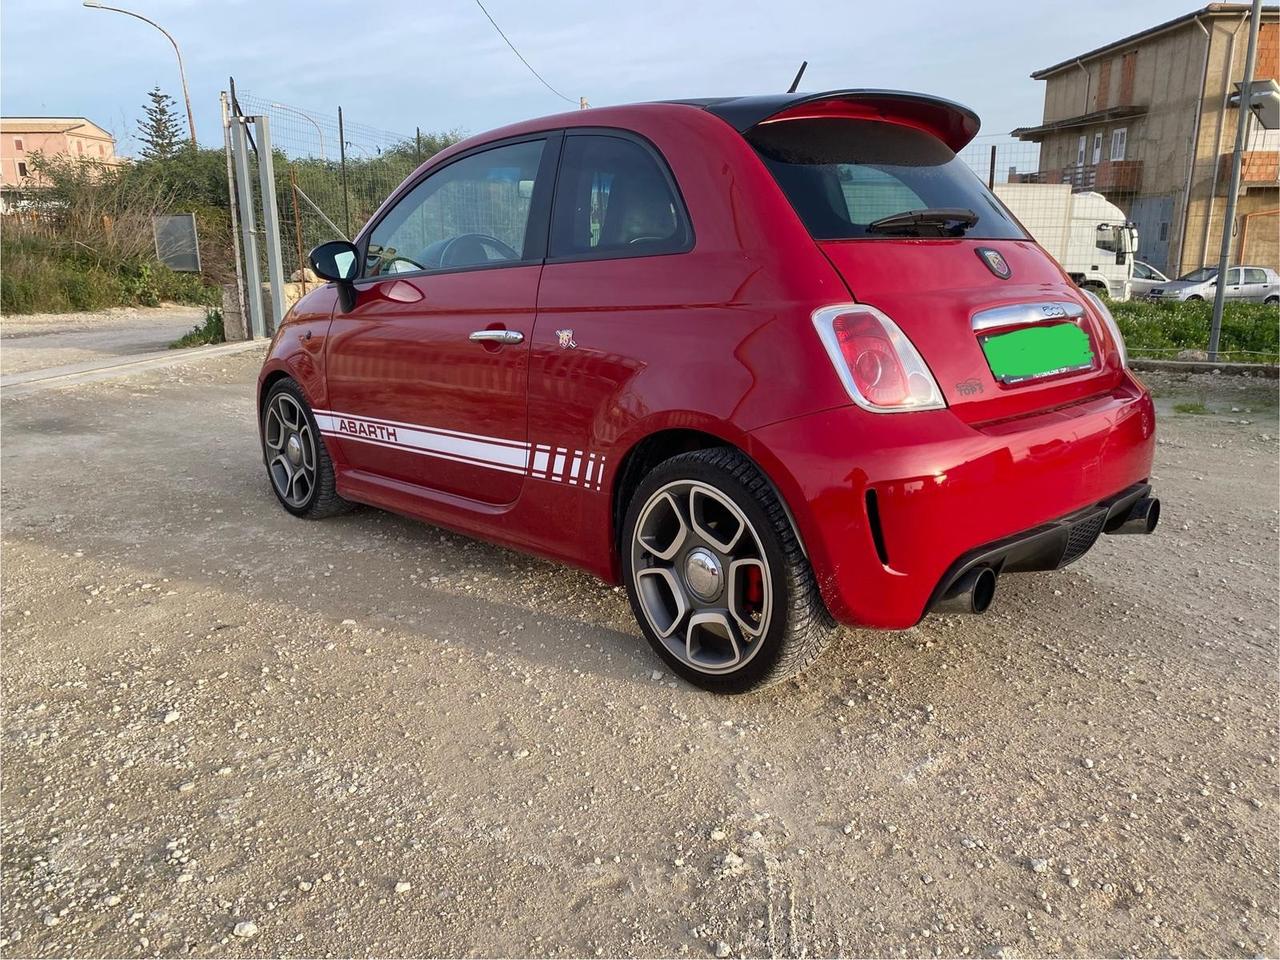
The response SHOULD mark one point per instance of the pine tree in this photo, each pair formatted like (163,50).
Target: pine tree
(159,131)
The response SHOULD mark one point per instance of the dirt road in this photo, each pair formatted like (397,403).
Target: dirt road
(368,736)
(37,341)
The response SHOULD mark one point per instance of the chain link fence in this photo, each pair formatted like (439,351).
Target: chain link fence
(331,172)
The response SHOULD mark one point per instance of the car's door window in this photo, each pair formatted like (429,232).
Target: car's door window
(1142,272)
(1233,278)
(473,212)
(1255,276)
(615,198)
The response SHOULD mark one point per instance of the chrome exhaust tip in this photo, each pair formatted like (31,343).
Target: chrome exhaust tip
(972,593)
(1141,518)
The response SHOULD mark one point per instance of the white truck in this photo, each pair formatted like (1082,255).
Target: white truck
(1085,232)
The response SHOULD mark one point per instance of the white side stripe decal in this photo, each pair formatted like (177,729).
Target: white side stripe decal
(540,461)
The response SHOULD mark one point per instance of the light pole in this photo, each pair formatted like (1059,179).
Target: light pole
(182,73)
(305,116)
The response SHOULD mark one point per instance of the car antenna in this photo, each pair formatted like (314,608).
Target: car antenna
(799,73)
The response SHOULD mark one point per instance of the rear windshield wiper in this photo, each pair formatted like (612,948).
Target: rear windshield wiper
(958,219)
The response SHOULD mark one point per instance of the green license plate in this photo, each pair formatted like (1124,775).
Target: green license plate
(1034,352)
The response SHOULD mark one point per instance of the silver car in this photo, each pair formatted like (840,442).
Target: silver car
(1248,284)
(1145,279)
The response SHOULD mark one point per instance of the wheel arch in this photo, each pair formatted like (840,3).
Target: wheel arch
(652,449)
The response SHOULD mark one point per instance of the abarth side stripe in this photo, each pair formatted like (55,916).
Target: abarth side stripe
(538,460)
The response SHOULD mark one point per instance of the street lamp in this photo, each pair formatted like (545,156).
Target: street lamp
(305,116)
(182,73)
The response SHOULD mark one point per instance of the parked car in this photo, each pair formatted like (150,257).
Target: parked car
(1145,279)
(770,362)
(1246,284)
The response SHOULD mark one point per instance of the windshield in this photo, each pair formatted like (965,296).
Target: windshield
(1200,276)
(842,176)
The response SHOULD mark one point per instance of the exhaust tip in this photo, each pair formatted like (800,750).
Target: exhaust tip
(984,590)
(1142,517)
(972,593)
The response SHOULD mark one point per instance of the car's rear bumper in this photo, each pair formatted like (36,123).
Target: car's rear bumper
(890,507)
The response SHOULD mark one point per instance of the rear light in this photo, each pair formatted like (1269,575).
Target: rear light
(1112,327)
(879,367)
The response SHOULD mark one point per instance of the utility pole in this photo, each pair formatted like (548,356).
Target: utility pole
(1229,218)
(182,73)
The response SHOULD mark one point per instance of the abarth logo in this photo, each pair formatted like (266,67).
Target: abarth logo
(566,340)
(995,262)
(361,428)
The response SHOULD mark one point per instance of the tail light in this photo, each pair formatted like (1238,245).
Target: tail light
(879,367)
(1113,328)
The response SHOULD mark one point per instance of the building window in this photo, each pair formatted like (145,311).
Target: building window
(1080,148)
(17,143)
(1097,148)
(1164,231)
(22,169)
(1118,138)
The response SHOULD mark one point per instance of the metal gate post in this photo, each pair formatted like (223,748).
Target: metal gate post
(270,221)
(248,229)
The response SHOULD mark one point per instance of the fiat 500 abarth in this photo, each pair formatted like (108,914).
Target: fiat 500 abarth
(771,362)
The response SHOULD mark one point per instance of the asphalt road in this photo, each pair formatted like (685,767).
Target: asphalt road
(43,340)
(368,736)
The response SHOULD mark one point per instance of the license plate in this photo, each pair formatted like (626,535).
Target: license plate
(1040,351)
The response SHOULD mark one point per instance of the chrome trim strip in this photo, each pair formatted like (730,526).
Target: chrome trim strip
(1021,314)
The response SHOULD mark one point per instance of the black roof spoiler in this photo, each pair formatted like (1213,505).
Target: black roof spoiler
(953,124)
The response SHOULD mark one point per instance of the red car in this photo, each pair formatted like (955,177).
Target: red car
(771,362)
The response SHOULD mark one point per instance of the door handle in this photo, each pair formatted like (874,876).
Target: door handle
(497,336)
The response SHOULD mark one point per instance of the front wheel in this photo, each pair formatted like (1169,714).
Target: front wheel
(1272,301)
(298,464)
(716,576)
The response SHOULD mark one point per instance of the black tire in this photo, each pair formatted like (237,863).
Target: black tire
(1194,296)
(799,625)
(1271,301)
(322,498)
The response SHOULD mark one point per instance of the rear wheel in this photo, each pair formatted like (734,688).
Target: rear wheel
(1272,300)
(298,464)
(716,576)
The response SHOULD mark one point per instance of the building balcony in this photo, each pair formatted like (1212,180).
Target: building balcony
(1106,176)
(1258,168)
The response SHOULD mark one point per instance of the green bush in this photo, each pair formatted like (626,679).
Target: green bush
(211,331)
(1250,331)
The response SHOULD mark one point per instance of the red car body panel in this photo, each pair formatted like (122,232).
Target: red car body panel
(717,340)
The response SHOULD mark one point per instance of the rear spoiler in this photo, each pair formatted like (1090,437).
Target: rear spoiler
(953,124)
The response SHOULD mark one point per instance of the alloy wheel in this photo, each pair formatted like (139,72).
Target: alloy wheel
(291,450)
(701,576)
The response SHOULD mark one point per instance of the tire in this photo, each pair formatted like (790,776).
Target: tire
(1272,301)
(1194,296)
(286,417)
(761,620)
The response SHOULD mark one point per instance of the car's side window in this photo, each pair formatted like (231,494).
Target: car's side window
(615,199)
(1142,271)
(472,212)
(1253,275)
(1233,277)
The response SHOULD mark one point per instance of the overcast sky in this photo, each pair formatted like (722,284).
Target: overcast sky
(439,64)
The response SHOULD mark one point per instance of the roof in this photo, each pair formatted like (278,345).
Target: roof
(52,125)
(1211,10)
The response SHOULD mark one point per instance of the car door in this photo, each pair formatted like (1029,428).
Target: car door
(1255,285)
(1235,286)
(428,373)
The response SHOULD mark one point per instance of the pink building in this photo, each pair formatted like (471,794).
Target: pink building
(77,137)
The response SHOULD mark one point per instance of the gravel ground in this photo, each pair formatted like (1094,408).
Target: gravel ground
(230,732)
(39,340)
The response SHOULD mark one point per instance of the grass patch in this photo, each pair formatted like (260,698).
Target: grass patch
(1250,331)
(211,331)
(1191,406)
(48,276)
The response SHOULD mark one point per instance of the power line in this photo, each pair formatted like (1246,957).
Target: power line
(520,55)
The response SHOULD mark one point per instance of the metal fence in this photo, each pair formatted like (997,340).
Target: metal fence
(331,172)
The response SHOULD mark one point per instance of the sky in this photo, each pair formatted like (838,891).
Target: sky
(439,64)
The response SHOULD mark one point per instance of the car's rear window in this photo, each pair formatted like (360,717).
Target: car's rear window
(843,175)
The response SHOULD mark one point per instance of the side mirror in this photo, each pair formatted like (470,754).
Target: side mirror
(338,261)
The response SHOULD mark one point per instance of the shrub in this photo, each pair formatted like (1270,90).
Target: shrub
(211,331)
(1250,331)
